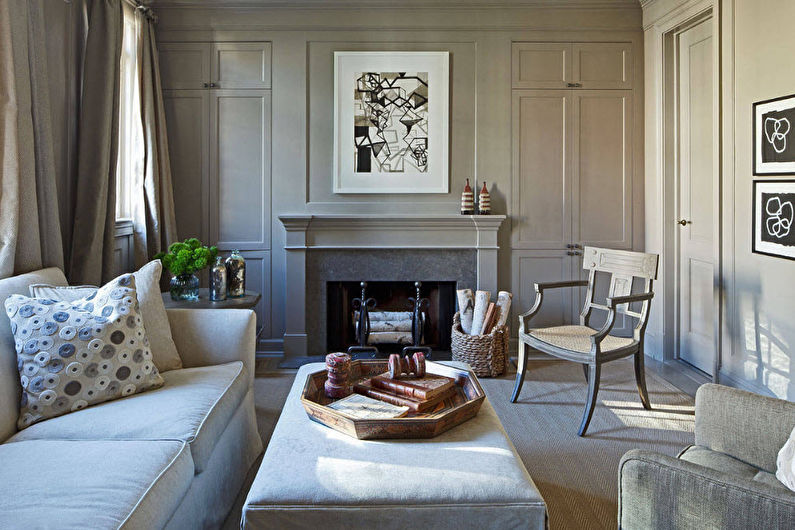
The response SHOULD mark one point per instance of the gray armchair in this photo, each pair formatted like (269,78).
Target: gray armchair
(725,481)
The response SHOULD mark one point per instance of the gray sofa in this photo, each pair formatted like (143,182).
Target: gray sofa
(725,481)
(174,457)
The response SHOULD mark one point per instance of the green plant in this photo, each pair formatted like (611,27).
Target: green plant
(187,257)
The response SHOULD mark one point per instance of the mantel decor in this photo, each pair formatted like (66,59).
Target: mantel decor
(391,122)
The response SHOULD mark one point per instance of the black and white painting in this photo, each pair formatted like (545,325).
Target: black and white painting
(391,114)
(774,136)
(774,218)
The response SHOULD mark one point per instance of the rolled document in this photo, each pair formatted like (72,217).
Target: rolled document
(466,305)
(503,307)
(482,299)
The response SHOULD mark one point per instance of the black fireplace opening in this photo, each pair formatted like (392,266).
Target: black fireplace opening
(392,299)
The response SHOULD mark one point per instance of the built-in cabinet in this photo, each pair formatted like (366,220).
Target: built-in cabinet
(572,108)
(218,109)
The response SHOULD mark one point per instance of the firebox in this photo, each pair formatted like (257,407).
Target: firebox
(390,318)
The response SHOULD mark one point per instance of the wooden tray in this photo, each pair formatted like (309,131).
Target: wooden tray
(464,405)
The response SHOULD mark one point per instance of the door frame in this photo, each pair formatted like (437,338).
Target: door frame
(667,32)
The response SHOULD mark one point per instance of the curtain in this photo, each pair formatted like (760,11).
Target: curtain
(30,233)
(91,255)
(155,225)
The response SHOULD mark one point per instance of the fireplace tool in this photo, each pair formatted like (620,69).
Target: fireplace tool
(364,305)
(417,327)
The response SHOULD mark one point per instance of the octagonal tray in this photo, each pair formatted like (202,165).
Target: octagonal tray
(462,406)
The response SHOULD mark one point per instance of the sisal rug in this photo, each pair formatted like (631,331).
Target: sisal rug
(576,476)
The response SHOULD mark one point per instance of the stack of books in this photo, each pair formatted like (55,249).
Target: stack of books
(419,395)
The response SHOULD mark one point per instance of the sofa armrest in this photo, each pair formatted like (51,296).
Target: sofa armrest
(214,336)
(659,491)
(747,426)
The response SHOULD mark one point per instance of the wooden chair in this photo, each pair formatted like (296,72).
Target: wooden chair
(588,346)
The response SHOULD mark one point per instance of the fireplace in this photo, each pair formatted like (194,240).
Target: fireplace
(392,299)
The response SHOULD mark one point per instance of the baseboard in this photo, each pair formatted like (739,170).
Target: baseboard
(729,380)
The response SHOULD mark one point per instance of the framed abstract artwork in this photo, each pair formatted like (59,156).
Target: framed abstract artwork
(774,136)
(391,122)
(774,216)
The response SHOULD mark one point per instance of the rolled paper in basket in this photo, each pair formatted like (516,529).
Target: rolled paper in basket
(504,308)
(466,305)
(482,299)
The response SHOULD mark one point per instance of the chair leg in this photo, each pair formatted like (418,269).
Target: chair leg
(593,389)
(521,363)
(585,371)
(640,379)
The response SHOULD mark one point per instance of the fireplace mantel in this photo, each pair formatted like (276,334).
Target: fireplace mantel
(305,232)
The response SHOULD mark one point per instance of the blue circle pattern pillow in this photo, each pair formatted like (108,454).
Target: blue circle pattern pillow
(74,354)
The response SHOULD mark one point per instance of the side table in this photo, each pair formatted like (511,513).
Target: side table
(247,301)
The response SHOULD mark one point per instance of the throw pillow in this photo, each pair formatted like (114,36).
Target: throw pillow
(147,280)
(72,355)
(785,463)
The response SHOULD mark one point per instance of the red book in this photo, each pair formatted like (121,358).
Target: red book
(423,388)
(366,388)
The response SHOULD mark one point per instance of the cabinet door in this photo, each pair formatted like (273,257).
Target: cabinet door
(535,266)
(541,64)
(241,65)
(602,168)
(240,150)
(602,65)
(184,65)
(187,115)
(541,170)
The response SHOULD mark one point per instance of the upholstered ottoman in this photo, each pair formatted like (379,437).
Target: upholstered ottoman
(314,477)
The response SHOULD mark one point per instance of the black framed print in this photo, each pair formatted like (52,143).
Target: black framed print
(774,136)
(774,216)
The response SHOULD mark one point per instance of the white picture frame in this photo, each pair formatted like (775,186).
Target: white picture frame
(412,150)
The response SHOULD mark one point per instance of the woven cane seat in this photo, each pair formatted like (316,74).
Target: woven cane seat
(578,338)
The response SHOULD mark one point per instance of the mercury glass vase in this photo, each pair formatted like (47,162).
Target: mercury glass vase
(235,275)
(218,280)
(184,287)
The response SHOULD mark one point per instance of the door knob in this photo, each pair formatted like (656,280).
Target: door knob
(683,222)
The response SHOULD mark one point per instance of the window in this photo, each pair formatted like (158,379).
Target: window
(130,164)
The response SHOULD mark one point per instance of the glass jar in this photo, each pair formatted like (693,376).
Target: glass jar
(235,275)
(184,287)
(218,280)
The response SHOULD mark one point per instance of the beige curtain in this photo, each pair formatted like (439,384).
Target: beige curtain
(30,234)
(91,256)
(155,225)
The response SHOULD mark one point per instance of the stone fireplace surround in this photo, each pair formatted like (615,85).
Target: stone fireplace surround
(389,247)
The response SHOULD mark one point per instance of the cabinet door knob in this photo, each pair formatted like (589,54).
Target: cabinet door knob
(206,85)
(213,85)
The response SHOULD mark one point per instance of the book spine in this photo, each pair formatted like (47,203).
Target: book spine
(386,397)
(397,388)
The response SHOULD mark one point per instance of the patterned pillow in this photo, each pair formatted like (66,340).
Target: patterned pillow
(72,355)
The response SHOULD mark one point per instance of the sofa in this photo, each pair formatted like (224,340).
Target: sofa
(726,480)
(173,457)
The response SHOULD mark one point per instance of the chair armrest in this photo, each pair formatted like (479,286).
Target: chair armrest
(540,288)
(747,426)
(614,301)
(214,336)
(659,491)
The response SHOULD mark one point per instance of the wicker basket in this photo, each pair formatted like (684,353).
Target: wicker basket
(484,353)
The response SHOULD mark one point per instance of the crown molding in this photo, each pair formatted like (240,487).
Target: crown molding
(405,4)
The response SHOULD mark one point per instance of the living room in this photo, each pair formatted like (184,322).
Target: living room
(429,264)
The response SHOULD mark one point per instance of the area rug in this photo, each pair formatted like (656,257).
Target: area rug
(576,476)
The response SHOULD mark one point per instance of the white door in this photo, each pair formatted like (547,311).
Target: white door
(696,198)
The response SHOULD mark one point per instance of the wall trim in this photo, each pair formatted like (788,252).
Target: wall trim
(390,4)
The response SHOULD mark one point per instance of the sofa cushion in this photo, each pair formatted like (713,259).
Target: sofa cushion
(153,311)
(729,465)
(9,375)
(131,484)
(73,355)
(194,405)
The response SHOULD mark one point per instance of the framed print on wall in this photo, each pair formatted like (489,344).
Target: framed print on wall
(391,122)
(774,216)
(774,136)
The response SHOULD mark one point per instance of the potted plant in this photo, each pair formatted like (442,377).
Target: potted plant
(183,260)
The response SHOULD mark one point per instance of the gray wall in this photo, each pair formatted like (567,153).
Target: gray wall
(759,335)
(479,40)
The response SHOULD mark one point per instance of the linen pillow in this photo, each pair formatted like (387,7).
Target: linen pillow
(72,355)
(785,463)
(147,280)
